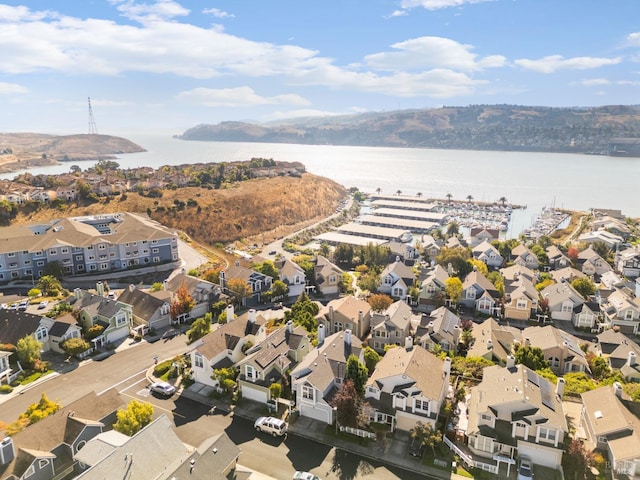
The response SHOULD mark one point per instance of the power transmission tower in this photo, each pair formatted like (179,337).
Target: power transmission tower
(93,130)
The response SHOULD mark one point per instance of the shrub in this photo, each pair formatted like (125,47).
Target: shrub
(6,389)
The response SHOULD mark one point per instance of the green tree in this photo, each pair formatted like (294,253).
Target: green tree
(453,288)
(279,289)
(371,358)
(303,312)
(28,351)
(267,268)
(348,402)
(584,286)
(199,328)
(50,285)
(469,366)
(226,378)
(357,373)
(579,459)
(479,265)
(156,287)
(134,418)
(369,281)
(453,229)
(275,390)
(34,293)
(530,357)
(457,257)
(380,302)
(75,346)
(429,436)
(238,289)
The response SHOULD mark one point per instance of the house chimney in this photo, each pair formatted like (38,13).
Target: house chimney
(347,337)
(77,292)
(617,389)
(100,288)
(7,451)
(132,287)
(631,359)
(560,387)
(165,285)
(446,368)
(408,342)
(527,342)
(290,326)
(231,314)
(430,327)
(331,312)
(252,315)
(511,361)
(320,335)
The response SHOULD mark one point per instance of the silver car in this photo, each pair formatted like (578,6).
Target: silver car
(163,388)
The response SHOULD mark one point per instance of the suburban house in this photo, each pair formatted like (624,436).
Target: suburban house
(513,272)
(592,264)
(321,373)
(216,458)
(258,282)
(346,313)
(433,287)
(293,276)
(587,315)
(610,422)
(396,280)
(15,325)
(493,341)
(557,259)
(269,361)
(561,349)
(521,255)
(327,276)
(408,386)
(406,251)
(621,352)
(479,294)
(621,310)
(479,235)
(566,274)
(487,253)
(628,262)
(147,454)
(514,410)
(204,293)
(521,298)
(430,247)
(226,345)
(601,236)
(115,317)
(148,310)
(64,328)
(441,327)
(46,449)
(612,225)
(391,327)
(562,300)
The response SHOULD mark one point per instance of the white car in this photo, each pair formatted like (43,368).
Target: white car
(525,468)
(43,304)
(163,388)
(304,476)
(272,425)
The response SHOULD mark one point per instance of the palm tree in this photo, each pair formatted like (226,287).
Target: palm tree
(449,197)
(398,192)
(469,198)
(503,200)
(419,194)
(378,190)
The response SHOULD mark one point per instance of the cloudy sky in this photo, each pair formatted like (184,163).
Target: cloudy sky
(165,64)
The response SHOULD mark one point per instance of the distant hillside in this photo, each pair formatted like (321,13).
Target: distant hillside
(24,150)
(477,127)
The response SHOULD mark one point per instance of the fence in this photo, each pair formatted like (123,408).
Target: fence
(468,459)
(357,432)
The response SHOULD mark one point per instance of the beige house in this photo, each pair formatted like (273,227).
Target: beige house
(561,349)
(521,298)
(492,340)
(391,327)
(327,276)
(346,313)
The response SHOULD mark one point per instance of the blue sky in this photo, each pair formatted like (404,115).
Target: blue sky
(170,65)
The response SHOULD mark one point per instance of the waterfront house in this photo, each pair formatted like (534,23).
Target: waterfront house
(408,385)
(346,313)
(479,235)
(487,253)
(392,326)
(521,255)
(406,252)
(396,280)
(226,345)
(601,236)
(430,247)
(269,361)
(514,410)
(610,421)
(327,276)
(317,378)
(441,327)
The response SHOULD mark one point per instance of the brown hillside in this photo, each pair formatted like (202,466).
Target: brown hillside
(264,209)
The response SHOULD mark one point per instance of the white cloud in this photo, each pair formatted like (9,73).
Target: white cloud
(144,12)
(438,4)
(237,97)
(431,52)
(216,12)
(398,13)
(592,82)
(10,88)
(634,38)
(553,63)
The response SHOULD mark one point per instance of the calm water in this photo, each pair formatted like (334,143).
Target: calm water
(536,180)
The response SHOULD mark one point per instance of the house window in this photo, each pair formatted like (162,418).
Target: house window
(307,392)
(547,434)
(470,294)
(30,471)
(485,417)
(154,242)
(53,251)
(64,250)
(554,362)
(250,373)
(155,250)
(156,259)
(40,263)
(121,319)
(521,304)
(628,314)
(567,307)
(104,266)
(198,361)
(165,309)
(42,463)
(421,405)
(484,444)
(431,289)
(332,279)
(41,334)
(102,246)
(337,327)
(80,267)
(387,280)
(11,254)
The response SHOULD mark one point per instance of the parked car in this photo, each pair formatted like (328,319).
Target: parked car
(22,306)
(163,388)
(272,425)
(304,476)
(169,334)
(416,448)
(43,304)
(525,468)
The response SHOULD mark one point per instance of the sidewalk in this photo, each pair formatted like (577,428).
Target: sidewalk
(392,450)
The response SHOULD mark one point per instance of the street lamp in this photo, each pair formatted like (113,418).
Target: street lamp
(335,418)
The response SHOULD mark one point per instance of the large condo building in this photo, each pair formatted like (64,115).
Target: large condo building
(87,244)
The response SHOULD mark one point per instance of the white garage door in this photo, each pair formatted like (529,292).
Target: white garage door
(316,414)
(548,457)
(254,394)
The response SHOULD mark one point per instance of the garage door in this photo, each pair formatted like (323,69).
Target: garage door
(254,394)
(548,457)
(309,411)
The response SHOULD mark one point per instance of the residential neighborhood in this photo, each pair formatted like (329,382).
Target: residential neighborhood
(478,347)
